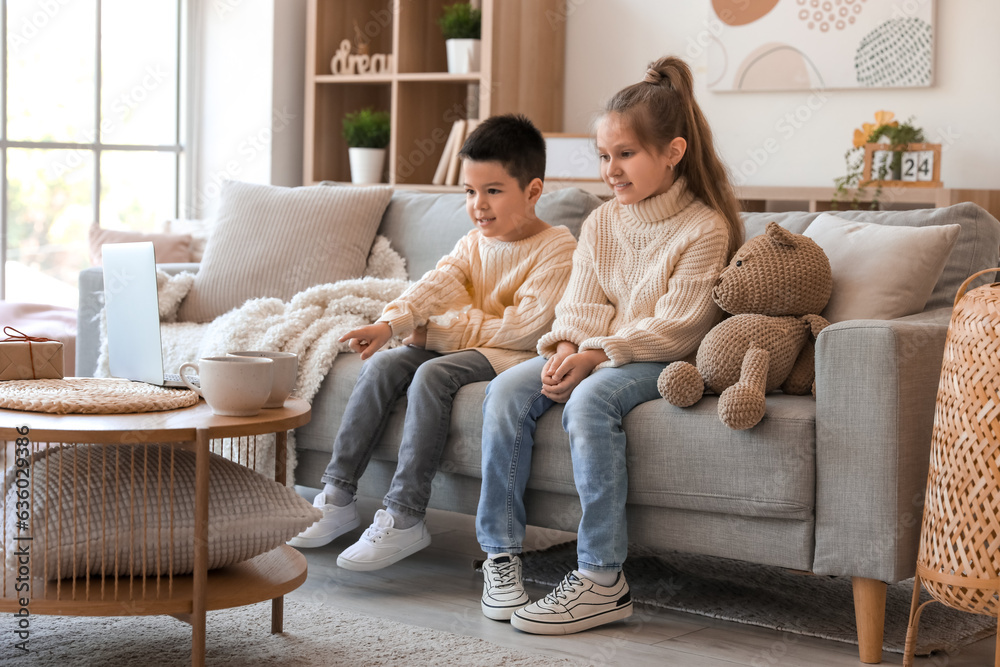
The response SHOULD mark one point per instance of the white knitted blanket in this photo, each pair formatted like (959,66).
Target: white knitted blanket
(309,325)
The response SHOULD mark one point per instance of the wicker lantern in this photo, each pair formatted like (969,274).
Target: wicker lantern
(958,562)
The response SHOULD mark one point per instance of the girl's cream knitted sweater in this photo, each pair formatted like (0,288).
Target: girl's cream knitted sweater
(641,286)
(493,296)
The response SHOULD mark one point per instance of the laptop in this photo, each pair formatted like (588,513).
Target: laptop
(133,315)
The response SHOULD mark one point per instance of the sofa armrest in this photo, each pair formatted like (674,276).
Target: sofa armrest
(876,387)
(88,328)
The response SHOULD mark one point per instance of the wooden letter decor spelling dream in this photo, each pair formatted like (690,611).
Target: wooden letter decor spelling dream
(346,63)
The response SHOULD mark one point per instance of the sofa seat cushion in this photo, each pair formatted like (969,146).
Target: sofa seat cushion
(686,458)
(679,458)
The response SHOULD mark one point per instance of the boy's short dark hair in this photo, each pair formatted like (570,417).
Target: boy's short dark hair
(513,141)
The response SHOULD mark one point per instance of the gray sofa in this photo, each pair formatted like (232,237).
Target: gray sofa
(831,484)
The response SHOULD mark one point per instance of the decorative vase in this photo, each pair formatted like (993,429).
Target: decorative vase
(463,55)
(366,164)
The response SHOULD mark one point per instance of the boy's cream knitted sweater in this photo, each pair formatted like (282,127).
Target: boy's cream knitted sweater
(641,287)
(497,297)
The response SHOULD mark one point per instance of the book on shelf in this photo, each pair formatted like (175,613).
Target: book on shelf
(470,125)
(453,160)
(441,173)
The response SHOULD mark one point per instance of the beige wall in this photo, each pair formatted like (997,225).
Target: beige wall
(251,92)
(796,138)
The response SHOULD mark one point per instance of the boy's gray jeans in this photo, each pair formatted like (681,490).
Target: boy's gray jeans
(430,381)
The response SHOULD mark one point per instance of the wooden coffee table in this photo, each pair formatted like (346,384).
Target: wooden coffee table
(267,577)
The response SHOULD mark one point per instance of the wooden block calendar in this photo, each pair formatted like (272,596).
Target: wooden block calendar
(919,165)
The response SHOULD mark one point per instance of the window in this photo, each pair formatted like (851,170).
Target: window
(91,132)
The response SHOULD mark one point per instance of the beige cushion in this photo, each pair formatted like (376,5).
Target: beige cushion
(108,509)
(271,241)
(167,247)
(199,230)
(880,272)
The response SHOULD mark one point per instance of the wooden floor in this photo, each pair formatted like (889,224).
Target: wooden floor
(437,588)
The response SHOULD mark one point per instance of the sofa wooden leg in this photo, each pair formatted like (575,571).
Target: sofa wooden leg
(869,611)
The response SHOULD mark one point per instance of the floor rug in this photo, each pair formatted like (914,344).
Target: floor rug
(314,636)
(769,597)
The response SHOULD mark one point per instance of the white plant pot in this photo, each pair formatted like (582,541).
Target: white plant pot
(463,55)
(366,164)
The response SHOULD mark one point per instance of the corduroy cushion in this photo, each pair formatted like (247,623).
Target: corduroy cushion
(107,509)
(880,272)
(271,241)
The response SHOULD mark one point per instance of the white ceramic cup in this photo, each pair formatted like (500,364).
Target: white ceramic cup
(286,366)
(232,386)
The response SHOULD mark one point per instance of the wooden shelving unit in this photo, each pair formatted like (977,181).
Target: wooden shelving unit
(766,198)
(772,198)
(523,53)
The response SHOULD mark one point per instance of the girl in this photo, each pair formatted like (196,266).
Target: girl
(639,297)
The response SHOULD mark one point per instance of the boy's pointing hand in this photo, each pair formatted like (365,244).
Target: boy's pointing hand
(367,340)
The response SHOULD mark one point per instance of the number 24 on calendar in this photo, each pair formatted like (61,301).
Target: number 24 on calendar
(917,166)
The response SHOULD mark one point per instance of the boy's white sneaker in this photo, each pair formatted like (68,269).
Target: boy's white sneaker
(503,589)
(383,544)
(335,522)
(576,604)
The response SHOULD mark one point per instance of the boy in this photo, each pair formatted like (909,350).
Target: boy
(498,289)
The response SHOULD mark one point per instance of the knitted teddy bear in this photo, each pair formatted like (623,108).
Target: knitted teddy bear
(774,287)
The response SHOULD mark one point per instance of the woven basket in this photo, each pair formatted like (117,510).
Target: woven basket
(958,561)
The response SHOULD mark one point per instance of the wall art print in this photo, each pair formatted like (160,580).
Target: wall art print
(820,44)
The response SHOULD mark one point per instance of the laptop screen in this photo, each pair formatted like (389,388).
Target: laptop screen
(133,316)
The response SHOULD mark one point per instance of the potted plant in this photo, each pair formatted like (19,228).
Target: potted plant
(367,135)
(895,135)
(461,24)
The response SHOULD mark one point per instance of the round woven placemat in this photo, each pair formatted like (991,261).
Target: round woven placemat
(91,396)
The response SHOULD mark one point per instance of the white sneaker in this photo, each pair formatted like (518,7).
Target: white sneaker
(576,604)
(383,545)
(503,590)
(335,522)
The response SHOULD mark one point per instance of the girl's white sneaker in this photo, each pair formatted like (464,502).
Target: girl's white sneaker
(503,589)
(576,604)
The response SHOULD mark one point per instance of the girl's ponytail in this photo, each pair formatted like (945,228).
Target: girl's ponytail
(662,107)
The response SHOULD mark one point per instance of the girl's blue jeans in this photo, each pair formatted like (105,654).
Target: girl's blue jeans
(592,418)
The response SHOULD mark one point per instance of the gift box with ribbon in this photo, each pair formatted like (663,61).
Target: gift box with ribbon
(24,357)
